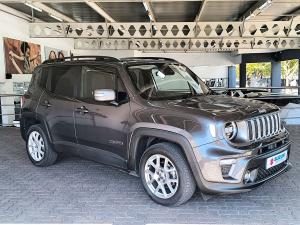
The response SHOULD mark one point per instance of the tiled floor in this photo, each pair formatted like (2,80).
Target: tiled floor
(80,191)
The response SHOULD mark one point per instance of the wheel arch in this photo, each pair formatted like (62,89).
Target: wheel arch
(142,138)
(29,119)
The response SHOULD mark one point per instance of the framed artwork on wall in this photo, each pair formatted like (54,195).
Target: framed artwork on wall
(21,57)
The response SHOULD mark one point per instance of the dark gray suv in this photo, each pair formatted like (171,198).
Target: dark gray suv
(154,118)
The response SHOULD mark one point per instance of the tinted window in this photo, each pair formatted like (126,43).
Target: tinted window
(96,78)
(34,79)
(44,77)
(64,80)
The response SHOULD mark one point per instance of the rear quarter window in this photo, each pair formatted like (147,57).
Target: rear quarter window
(36,75)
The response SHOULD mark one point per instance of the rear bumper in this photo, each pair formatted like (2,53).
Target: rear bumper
(212,181)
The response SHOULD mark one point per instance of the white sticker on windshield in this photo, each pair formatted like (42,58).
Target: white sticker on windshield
(160,74)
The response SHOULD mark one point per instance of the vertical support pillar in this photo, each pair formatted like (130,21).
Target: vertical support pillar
(243,75)
(276,76)
(231,77)
(298,83)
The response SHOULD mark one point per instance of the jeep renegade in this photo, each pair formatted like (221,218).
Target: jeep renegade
(154,118)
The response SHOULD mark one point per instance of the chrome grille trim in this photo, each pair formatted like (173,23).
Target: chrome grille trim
(264,126)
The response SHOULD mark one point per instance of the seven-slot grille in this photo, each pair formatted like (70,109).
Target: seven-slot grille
(264,126)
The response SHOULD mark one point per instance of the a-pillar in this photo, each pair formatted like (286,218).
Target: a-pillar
(231,77)
(276,76)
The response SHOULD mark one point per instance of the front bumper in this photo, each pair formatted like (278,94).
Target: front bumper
(212,181)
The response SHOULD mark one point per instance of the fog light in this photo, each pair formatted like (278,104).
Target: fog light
(247,177)
(225,169)
(227,165)
(250,176)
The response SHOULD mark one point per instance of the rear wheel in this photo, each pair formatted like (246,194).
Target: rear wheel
(38,148)
(166,175)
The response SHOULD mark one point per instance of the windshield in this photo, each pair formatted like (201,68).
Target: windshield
(166,81)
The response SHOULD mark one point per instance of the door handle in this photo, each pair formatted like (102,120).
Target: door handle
(46,103)
(82,109)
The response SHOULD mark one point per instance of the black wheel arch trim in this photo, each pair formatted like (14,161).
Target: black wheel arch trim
(45,127)
(170,136)
(34,116)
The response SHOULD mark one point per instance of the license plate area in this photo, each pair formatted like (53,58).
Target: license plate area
(276,159)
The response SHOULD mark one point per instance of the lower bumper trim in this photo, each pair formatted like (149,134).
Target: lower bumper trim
(218,188)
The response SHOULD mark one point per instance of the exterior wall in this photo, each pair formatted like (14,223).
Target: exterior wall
(208,72)
(17,28)
(112,53)
(194,59)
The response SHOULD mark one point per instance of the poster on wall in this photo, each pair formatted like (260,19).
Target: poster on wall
(53,53)
(21,57)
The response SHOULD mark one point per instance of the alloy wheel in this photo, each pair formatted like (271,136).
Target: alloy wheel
(161,176)
(36,146)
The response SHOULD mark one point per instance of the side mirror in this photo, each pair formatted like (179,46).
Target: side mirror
(103,95)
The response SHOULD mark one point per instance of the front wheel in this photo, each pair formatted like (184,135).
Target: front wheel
(166,175)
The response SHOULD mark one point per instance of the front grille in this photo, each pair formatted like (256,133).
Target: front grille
(264,126)
(265,173)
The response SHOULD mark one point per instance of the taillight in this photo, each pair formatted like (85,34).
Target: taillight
(22,101)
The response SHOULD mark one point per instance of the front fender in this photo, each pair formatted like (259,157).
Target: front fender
(168,133)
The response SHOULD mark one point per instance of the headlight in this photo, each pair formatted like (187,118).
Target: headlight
(230,130)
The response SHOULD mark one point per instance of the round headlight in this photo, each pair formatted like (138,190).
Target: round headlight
(230,130)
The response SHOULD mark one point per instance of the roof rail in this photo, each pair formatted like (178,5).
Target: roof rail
(149,58)
(87,57)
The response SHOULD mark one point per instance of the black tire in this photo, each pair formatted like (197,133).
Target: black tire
(50,156)
(187,184)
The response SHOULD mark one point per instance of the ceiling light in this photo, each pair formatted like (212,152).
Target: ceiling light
(250,16)
(33,7)
(55,17)
(266,5)
(150,17)
(146,6)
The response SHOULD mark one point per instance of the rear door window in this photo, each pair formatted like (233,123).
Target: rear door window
(64,80)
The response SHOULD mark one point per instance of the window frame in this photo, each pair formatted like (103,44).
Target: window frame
(137,91)
(47,85)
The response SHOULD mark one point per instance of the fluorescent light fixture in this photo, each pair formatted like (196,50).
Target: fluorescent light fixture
(55,17)
(266,5)
(150,17)
(250,16)
(33,7)
(145,6)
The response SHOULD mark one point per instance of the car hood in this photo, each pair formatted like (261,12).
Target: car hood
(218,106)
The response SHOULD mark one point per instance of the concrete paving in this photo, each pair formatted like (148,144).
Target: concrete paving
(80,191)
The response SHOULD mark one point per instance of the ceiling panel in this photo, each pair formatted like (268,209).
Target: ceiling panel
(176,11)
(78,11)
(278,9)
(225,10)
(125,11)
(168,11)
(27,10)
